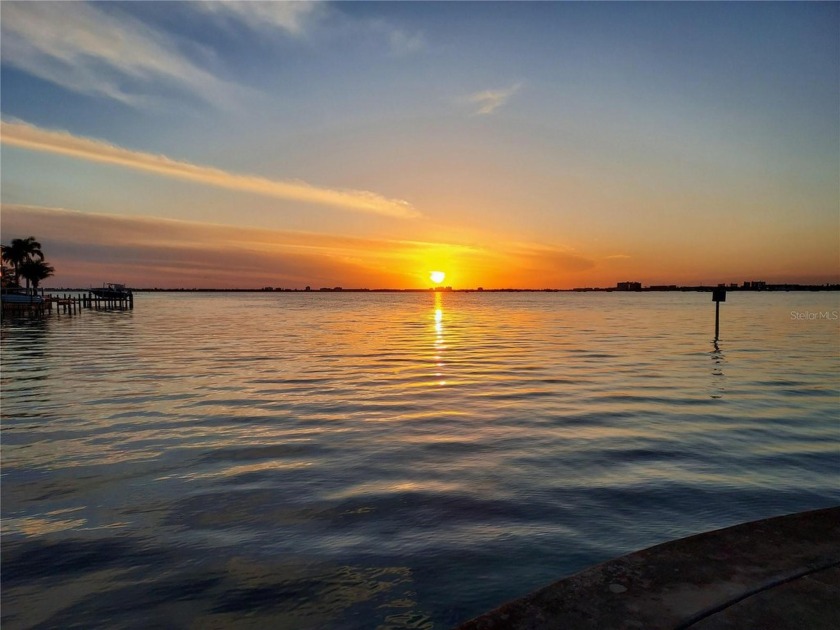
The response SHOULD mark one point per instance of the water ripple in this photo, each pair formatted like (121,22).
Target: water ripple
(390,461)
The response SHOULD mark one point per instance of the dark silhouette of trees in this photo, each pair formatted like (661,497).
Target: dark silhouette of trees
(34,271)
(23,258)
(7,272)
(21,251)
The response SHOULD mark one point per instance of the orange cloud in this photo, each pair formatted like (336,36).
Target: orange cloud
(26,136)
(149,251)
(88,248)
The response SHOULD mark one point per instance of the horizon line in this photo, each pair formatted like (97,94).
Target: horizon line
(449,289)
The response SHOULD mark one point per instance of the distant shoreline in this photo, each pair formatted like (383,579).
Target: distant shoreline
(655,289)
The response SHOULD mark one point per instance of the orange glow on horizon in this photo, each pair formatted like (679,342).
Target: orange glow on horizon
(169,253)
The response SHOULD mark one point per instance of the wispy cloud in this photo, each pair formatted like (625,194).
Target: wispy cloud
(85,49)
(489,101)
(24,135)
(290,17)
(98,49)
(311,18)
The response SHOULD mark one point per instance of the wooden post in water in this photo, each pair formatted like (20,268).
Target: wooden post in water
(718,296)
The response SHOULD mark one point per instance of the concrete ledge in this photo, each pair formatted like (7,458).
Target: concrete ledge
(776,573)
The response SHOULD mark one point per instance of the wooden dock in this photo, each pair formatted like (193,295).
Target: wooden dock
(70,304)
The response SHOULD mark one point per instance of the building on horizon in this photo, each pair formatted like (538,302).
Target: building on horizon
(629,286)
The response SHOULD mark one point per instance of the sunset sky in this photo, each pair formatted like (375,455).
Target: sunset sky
(534,145)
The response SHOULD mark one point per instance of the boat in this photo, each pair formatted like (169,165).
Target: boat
(112,291)
(19,296)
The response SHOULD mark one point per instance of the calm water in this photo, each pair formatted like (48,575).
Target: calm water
(391,460)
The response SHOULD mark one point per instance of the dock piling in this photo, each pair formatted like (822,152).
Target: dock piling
(66,304)
(718,296)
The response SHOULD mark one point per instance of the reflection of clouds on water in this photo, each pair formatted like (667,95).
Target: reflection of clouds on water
(51,522)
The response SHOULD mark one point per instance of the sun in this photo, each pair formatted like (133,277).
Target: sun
(437,276)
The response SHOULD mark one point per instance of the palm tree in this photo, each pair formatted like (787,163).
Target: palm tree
(22,250)
(8,273)
(6,255)
(34,271)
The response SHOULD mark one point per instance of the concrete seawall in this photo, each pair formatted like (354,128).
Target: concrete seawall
(772,574)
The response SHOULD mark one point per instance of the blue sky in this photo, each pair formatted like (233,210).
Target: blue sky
(535,144)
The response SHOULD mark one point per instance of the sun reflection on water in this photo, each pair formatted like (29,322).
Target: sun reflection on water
(440,344)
